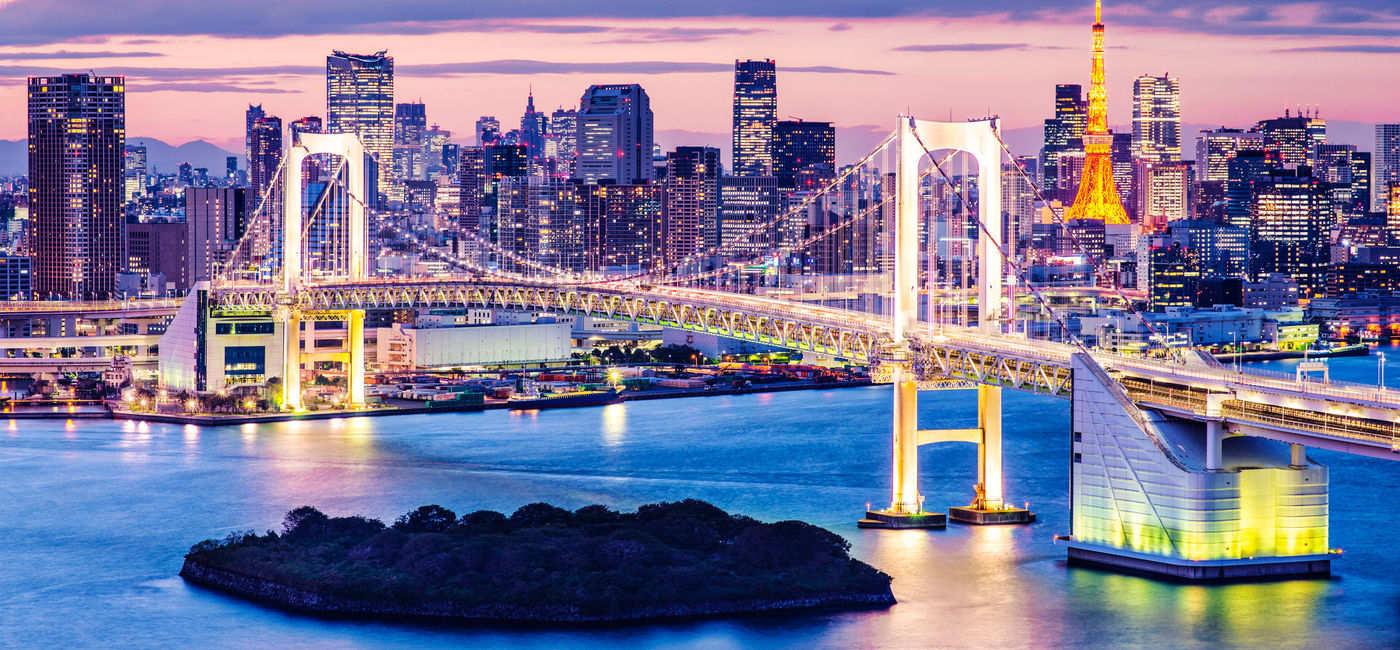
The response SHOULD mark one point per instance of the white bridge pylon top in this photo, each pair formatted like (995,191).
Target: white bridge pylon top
(361,192)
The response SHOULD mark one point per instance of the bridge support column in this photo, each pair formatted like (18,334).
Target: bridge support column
(906,506)
(355,376)
(1298,456)
(989,501)
(1214,438)
(291,371)
(1143,501)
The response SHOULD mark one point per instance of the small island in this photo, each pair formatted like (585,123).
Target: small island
(541,564)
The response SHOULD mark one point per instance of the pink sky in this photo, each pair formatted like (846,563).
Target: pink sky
(980,64)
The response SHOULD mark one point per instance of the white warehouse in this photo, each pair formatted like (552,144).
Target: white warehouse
(400,348)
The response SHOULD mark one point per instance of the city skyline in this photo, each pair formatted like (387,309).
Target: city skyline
(183,86)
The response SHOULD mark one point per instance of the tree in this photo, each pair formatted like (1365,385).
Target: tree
(426,519)
(303,519)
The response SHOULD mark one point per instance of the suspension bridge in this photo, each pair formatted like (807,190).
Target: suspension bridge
(1180,466)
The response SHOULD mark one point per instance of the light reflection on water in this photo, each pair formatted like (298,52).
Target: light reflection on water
(86,525)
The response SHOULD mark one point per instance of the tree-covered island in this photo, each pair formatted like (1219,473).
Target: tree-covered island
(541,564)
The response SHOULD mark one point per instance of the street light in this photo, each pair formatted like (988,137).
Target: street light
(1380,371)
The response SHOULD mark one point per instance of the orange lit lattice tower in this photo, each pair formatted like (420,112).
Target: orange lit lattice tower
(1097,198)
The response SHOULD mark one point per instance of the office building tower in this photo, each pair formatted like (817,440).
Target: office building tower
(1362,180)
(755,115)
(488,130)
(1157,118)
(1246,168)
(630,222)
(1214,149)
(159,247)
(615,135)
(506,160)
(1163,193)
(433,141)
(16,277)
(77,148)
(1124,170)
(1097,198)
(253,114)
(231,169)
(1017,205)
(1173,273)
(534,125)
(540,219)
(360,100)
(749,208)
(1290,219)
(308,124)
(1064,133)
(692,201)
(1385,165)
(1221,250)
(1292,137)
(563,126)
(215,219)
(185,174)
(471,179)
(266,137)
(804,147)
(410,120)
(134,173)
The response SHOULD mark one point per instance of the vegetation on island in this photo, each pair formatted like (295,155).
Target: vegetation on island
(542,563)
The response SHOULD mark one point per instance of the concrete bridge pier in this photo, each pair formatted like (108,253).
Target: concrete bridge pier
(355,373)
(291,371)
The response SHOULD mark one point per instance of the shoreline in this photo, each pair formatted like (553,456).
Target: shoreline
(260,418)
(300,600)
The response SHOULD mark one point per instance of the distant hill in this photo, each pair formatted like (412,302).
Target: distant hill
(160,154)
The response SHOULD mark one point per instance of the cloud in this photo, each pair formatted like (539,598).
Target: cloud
(531,67)
(962,47)
(647,35)
(69,54)
(840,27)
(1360,48)
(198,87)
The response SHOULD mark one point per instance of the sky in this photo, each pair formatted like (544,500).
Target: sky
(193,67)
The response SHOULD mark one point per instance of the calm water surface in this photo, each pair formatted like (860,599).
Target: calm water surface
(95,516)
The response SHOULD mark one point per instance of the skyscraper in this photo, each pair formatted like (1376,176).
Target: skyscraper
(533,127)
(1064,133)
(1097,198)
(360,100)
(471,179)
(615,135)
(1385,165)
(804,147)
(755,114)
(266,139)
(308,124)
(1214,149)
(253,114)
(77,147)
(215,218)
(692,201)
(1290,217)
(1292,137)
(410,120)
(563,126)
(488,130)
(1157,118)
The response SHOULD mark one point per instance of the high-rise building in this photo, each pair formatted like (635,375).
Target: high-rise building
(410,120)
(1290,219)
(563,126)
(134,182)
(308,124)
(159,247)
(266,138)
(540,219)
(1385,165)
(433,142)
(1124,170)
(1064,133)
(755,114)
(1097,198)
(360,100)
(471,179)
(615,135)
(253,114)
(488,130)
(77,148)
(749,207)
(1163,192)
(630,221)
(534,125)
(1214,149)
(1247,167)
(231,169)
(1157,118)
(1294,138)
(1362,180)
(692,201)
(215,219)
(804,147)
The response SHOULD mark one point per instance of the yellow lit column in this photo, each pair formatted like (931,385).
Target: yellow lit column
(356,343)
(989,452)
(291,372)
(906,444)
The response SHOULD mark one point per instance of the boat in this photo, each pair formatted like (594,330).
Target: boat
(569,400)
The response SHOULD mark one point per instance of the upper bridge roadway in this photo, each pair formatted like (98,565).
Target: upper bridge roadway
(1337,415)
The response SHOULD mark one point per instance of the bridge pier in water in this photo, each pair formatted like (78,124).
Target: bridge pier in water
(1179,497)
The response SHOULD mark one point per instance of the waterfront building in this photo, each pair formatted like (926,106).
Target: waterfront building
(77,149)
(1064,133)
(1290,219)
(692,201)
(630,221)
(539,218)
(615,135)
(755,115)
(1157,118)
(804,154)
(1097,198)
(360,100)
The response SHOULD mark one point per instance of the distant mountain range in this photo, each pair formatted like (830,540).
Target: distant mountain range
(163,156)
